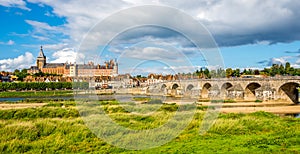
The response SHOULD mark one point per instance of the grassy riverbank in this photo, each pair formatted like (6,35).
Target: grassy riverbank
(7,94)
(58,128)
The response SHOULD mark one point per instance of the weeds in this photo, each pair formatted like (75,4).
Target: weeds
(54,129)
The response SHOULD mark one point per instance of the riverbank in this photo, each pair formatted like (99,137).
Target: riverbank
(8,94)
(57,128)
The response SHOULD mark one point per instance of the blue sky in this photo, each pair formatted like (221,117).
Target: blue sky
(252,34)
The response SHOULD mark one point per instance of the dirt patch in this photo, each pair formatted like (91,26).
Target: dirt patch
(295,109)
(20,105)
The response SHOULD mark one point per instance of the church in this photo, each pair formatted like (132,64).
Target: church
(73,70)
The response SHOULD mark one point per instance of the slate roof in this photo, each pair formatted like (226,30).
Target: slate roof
(54,65)
(41,53)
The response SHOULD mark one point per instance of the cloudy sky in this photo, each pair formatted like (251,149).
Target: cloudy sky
(249,34)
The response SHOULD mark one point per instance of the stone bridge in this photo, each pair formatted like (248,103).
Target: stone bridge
(232,88)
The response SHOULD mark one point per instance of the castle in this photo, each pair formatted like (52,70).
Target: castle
(73,70)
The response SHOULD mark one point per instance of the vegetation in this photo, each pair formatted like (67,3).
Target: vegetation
(20,86)
(41,74)
(21,74)
(141,98)
(274,70)
(28,94)
(57,128)
(223,101)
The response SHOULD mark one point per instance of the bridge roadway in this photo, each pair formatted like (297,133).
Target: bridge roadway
(282,88)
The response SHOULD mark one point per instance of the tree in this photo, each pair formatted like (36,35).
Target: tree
(229,72)
(287,68)
(24,70)
(21,75)
(274,70)
(16,71)
(281,70)
(206,73)
(236,72)
(256,72)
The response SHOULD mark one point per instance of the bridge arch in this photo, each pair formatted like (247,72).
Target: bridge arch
(224,89)
(250,90)
(189,87)
(289,90)
(205,90)
(175,86)
(163,88)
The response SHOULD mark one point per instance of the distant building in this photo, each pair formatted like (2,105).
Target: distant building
(73,70)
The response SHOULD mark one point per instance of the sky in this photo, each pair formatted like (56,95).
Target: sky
(248,34)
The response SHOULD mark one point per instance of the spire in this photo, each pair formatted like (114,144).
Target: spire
(41,54)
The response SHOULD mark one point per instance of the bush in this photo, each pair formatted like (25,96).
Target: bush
(31,113)
(40,85)
(258,101)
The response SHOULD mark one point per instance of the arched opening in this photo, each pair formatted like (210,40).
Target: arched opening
(205,90)
(163,89)
(189,87)
(250,90)
(175,86)
(175,90)
(289,91)
(189,90)
(224,89)
(164,86)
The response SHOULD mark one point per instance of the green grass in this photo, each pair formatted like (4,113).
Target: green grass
(57,129)
(223,101)
(258,101)
(36,93)
(141,98)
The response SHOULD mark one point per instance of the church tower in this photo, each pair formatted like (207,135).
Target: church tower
(41,59)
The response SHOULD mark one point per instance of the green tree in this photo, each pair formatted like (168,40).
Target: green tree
(16,71)
(229,72)
(206,73)
(256,72)
(281,70)
(287,68)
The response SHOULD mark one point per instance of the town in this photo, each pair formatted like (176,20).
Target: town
(276,83)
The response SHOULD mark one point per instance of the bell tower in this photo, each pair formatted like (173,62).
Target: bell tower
(41,59)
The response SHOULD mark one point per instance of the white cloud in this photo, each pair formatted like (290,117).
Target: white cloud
(152,53)
(46,47)
(9,42)
(64,55)
(233,22)
(23,61)
(44,31)
(14,3)
(280,60)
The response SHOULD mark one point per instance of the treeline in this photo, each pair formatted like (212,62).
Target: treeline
(22,74)
(42,85)
(274,70)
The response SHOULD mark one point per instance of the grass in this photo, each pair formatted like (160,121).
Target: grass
(223,101)
(258,101)
(58,128)
(35,93)
(141,98)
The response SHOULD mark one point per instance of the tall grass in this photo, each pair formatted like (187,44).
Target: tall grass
(36,93)
(53,129)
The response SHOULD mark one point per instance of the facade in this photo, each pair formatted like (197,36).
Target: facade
(73,70)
